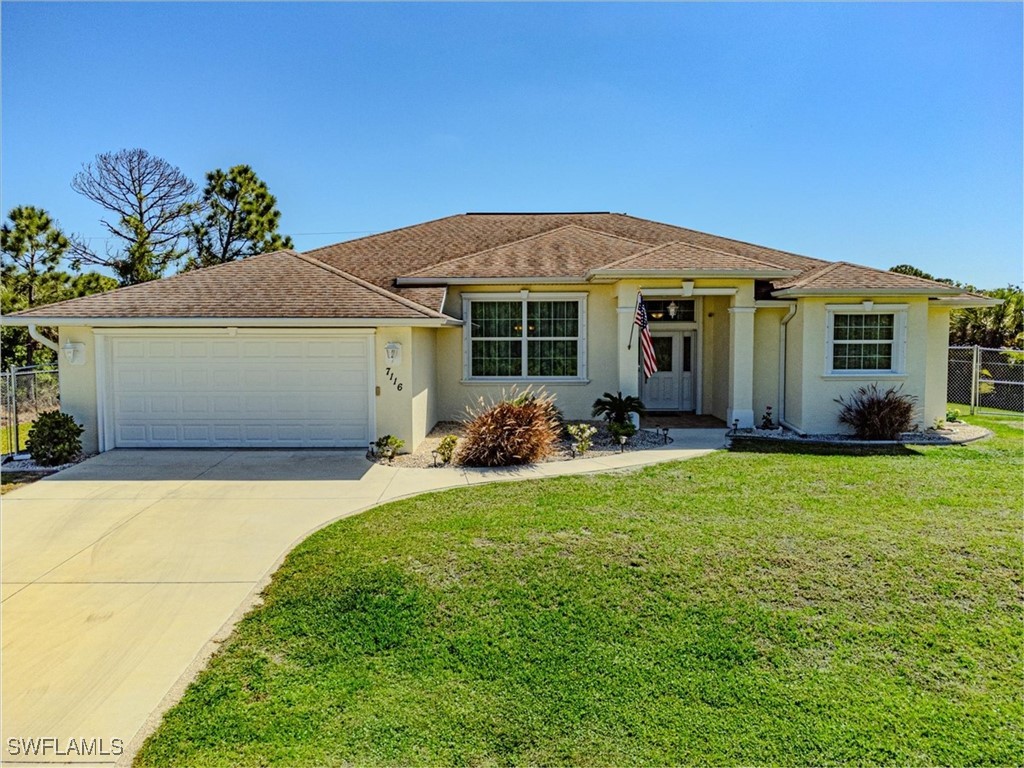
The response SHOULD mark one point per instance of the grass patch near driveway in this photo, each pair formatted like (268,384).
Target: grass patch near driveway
(739,608)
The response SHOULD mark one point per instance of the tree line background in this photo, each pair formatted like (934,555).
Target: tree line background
(158,219)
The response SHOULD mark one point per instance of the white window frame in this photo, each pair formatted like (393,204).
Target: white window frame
(899,338)
(523,297)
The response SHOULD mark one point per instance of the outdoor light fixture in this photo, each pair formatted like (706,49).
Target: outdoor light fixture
(664,434)
(393,353)
(673,309)
(657,314)
(622,443)
(73,352)
(435,454)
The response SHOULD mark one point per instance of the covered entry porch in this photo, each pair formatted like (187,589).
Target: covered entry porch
(718,351)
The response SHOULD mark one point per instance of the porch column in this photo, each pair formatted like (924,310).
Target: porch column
(741,366)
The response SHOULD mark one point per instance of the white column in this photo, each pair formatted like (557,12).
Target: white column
(741,367)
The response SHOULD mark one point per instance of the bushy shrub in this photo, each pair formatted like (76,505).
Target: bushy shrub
(623,429)
(446,448)
(616,408)
(54,438)
(520,429)
(388,446)
(875,414)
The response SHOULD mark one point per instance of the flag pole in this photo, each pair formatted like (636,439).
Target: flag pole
(632,324)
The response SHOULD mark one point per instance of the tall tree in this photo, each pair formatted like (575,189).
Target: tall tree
(150,205)
(31,245)
(16,346)
(240,219)
(998,326)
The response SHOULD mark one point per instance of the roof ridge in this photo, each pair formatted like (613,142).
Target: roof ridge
(723,237)
(510,243)
(815,273)
(758,262)
(811,276)
(407,303)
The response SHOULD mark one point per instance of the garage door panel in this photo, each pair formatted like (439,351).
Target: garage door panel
(237,392)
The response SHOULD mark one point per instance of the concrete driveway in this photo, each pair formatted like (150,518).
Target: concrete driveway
(119,575)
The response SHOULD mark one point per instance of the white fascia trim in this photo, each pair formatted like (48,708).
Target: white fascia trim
(438,282)
(232,330)
(862,293)
(679,292)
(957,303)
(772,304)
(238,322)
(694,274)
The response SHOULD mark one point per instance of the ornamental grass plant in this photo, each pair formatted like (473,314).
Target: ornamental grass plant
(521,428)
(876,414)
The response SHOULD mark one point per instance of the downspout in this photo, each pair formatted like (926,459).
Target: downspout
(782,367)
(46,342)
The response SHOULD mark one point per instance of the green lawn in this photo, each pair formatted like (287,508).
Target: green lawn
(7,436)
(736,609)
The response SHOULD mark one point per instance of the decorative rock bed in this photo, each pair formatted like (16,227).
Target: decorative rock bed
(779,439)
(604,444)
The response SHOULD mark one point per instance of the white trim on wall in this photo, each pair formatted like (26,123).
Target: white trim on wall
(899,340)
(524,296)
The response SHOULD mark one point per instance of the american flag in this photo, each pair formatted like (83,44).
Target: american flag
(646,344)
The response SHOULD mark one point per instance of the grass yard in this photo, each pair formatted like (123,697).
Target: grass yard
(739,608)
(11,480)
(7,435)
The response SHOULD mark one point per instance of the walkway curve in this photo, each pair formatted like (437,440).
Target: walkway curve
(122,575)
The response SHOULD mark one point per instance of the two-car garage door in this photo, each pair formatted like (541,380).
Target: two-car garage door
(243,390)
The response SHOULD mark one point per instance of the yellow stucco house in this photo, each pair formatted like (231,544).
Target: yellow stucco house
(394,332)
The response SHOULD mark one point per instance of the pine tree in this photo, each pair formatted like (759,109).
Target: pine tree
(240,219)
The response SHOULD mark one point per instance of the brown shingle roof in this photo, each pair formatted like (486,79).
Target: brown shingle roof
(567,251)
(282,284)
(688,257)
(841,276)
(382,258)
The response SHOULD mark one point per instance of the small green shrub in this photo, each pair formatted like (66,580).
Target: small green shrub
(582,435)
(54,438)
(388,446)
(875,414)
(616,408)
(625,429)
(519,429)
(953,415)
(446,448)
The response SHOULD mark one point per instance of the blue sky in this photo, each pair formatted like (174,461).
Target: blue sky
(875,133)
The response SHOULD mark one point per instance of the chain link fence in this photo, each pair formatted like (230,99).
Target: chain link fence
(24,394)
(986,379)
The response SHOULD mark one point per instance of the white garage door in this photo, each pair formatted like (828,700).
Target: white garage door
(247,390)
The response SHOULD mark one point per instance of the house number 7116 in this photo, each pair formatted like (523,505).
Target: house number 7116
(393,379)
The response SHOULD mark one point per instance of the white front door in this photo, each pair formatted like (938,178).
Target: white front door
(671,387)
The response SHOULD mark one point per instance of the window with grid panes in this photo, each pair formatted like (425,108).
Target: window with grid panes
(865,341)
(532,338)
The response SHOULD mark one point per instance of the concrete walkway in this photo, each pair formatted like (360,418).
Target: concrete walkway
(121,574)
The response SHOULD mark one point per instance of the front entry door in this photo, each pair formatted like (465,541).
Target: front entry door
(671,387)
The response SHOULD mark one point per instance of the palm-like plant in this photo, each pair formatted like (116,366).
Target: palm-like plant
(616,408)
